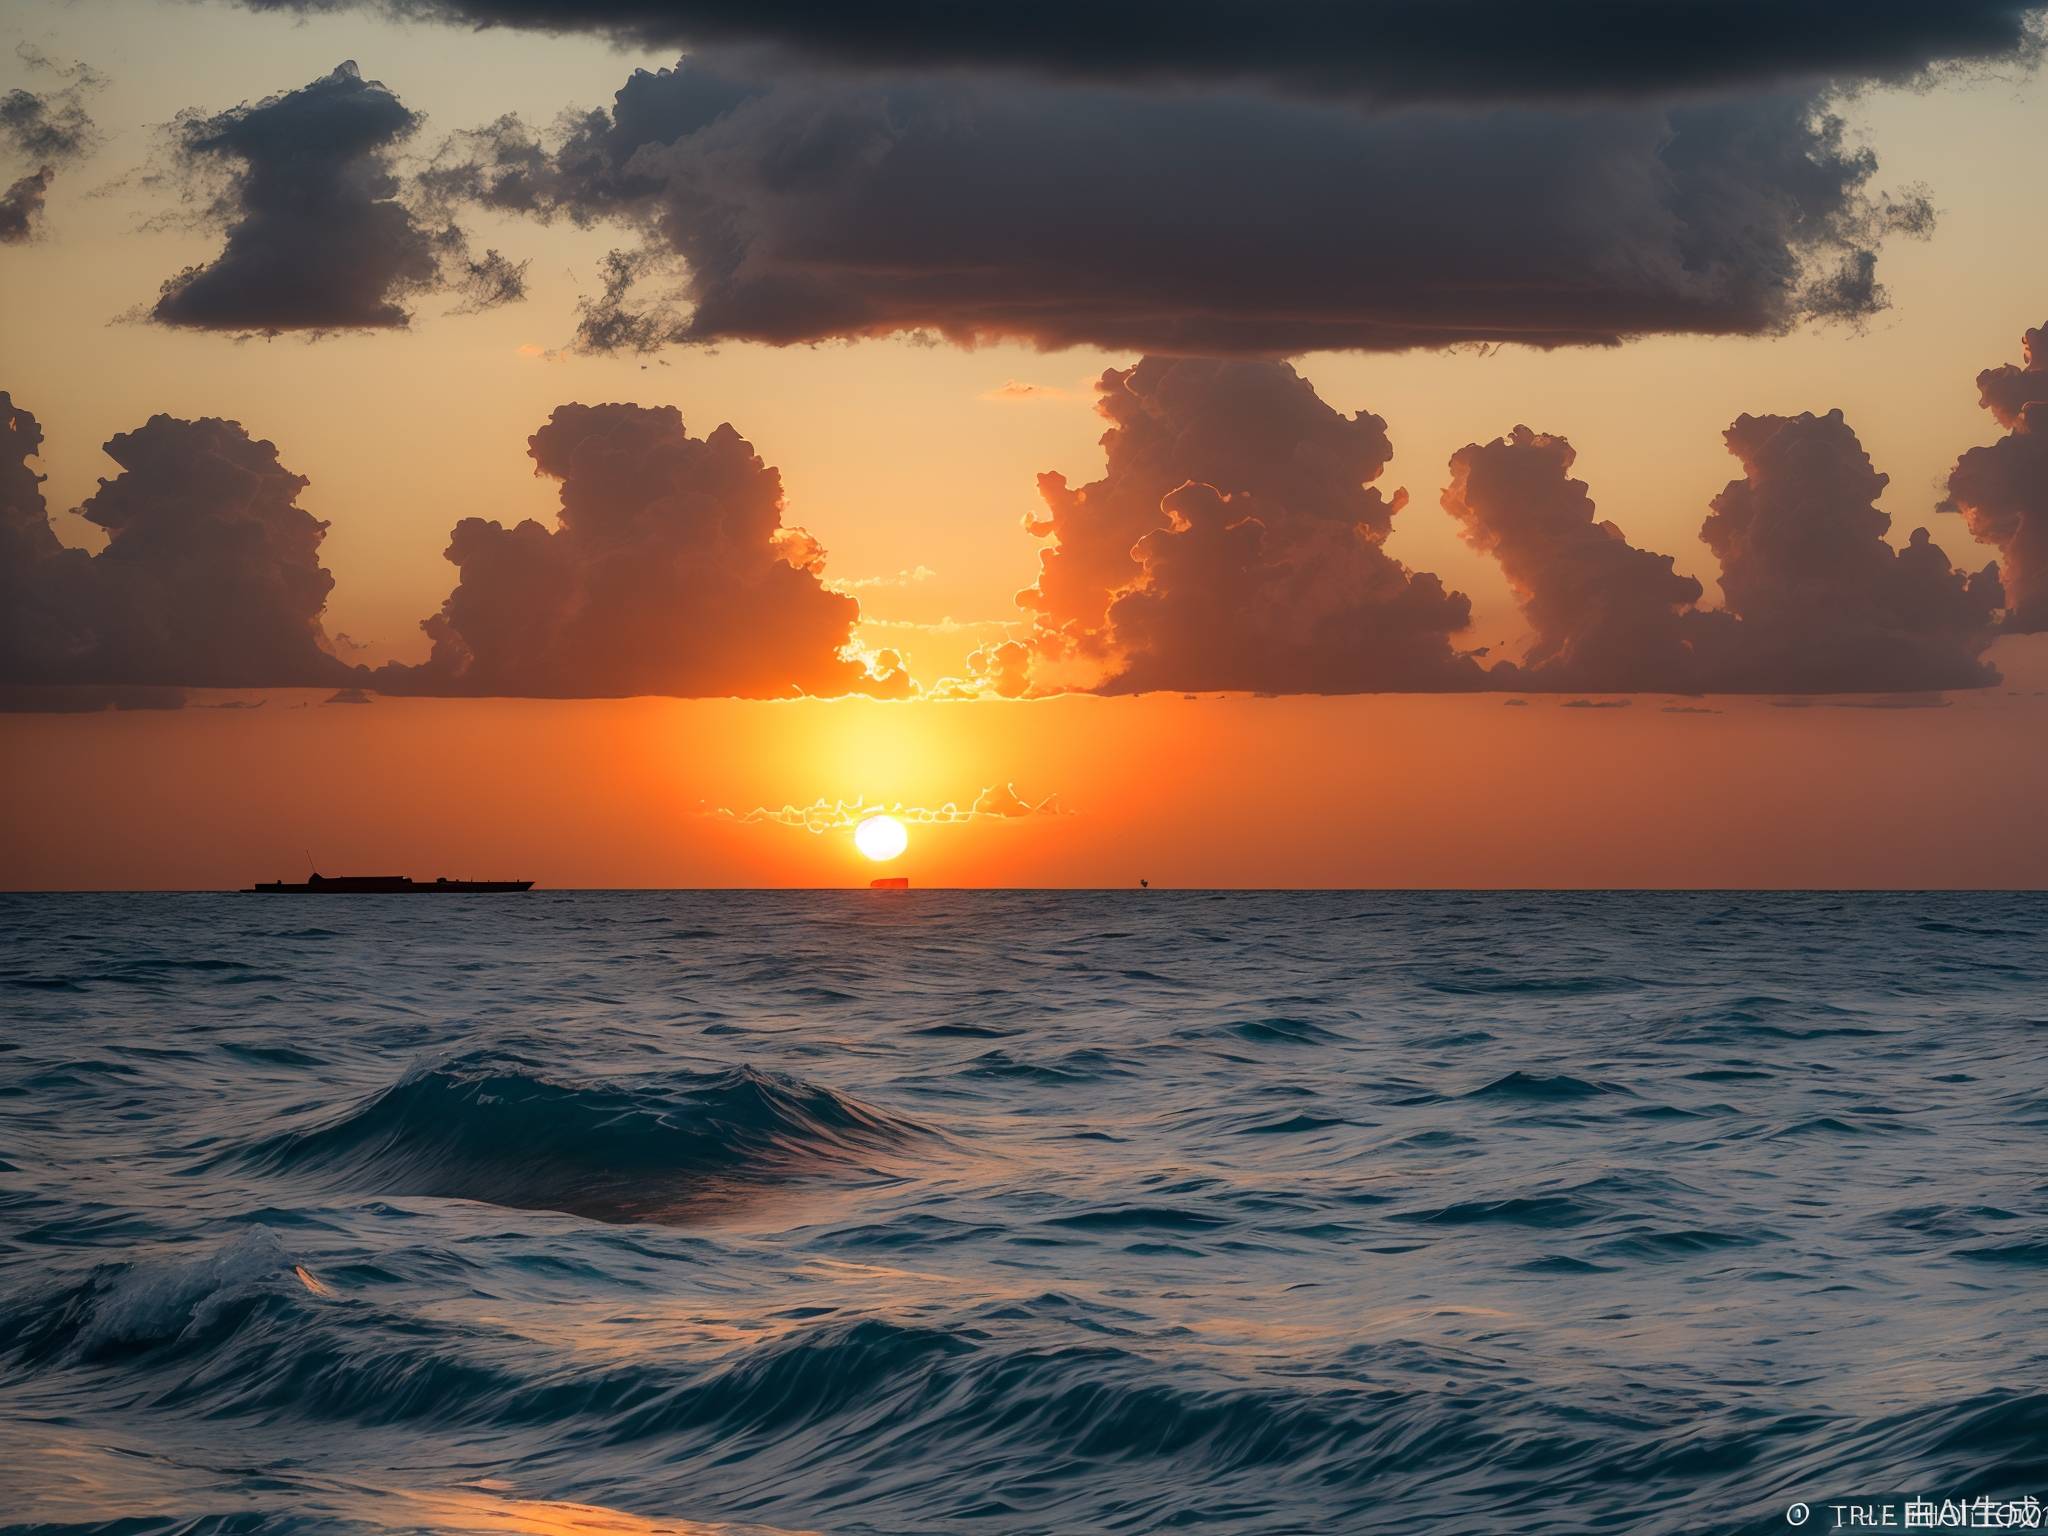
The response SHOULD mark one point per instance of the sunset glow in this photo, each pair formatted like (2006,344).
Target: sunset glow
(1452,593)
(881,838)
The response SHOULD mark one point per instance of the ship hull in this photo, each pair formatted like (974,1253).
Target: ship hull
(392,885)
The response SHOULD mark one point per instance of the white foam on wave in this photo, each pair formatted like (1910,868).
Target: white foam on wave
(162,1300)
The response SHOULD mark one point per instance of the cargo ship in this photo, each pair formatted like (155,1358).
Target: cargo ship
(385,885)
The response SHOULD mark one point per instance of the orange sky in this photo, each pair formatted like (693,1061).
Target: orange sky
(1375,791)
(915,466)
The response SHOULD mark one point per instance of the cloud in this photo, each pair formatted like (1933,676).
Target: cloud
(2002,490)
(1379,50)
(669,572)
(84,698)
(21,206)
(1002,800)
(1233,542)
(1596,703)
(1825,604)
(1607,616)
(48,129)
(1883,701)
(783,204)
(211,576)
(998,802)
(1814,600)
(903,578)
(1018,389)
(317,236)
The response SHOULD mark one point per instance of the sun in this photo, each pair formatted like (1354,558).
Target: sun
(881,838)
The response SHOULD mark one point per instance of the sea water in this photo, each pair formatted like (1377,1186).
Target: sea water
(1017,1212)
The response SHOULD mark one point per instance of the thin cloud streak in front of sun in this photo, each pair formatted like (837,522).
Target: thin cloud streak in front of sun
(998,802)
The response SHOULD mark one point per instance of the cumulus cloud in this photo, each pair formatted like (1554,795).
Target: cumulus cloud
(1825,604)
(669,572)
(1381,50)
(317,236)
(211,576)
(2002,490)
(1814,599)
(1234,541)
(1606,615)
(781,204)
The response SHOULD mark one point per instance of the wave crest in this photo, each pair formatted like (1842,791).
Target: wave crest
(503,1130)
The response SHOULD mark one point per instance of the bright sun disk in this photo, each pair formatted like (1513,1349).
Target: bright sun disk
(881,838)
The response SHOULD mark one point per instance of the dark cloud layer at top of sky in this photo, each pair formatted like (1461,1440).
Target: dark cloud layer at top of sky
(1383,50)
(797,206)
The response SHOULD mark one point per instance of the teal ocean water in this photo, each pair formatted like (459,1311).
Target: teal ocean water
(1009,1212)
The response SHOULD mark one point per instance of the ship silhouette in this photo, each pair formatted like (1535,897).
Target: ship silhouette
(384,885)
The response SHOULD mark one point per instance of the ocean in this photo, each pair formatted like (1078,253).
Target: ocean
(631,1212)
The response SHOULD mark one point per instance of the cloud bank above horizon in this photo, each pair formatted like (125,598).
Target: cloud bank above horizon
(1233,542)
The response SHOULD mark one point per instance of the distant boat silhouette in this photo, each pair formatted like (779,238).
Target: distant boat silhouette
(384,885)
(890,883)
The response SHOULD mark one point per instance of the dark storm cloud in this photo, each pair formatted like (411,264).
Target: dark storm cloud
(211,576)
(790,206)
(2002,490)
(1234,542)
(1814,599)
(1384,50)
(670,572)
(317,236)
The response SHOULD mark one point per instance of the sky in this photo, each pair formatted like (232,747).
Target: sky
(688,428)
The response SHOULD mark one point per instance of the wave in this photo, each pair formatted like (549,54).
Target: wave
(501,1129)
(1543,1087)
(125,1308)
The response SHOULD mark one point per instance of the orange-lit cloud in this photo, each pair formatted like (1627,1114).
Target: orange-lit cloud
(1233,541)
(211,577)
(1814,598)
(2002,490)
(998,802)
(670,572)
(1606,615)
